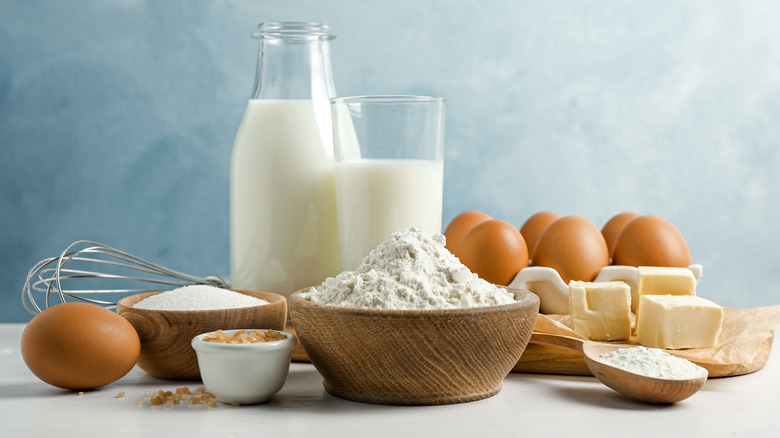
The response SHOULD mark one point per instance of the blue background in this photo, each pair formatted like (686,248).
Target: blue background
(117,119)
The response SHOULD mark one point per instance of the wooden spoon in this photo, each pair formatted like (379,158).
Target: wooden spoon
(649,389)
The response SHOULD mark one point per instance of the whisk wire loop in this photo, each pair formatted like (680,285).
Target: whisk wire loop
(48,275)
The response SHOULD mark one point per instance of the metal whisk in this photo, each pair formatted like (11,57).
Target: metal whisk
(100,264)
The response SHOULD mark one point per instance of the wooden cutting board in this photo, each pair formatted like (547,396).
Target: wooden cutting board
(549,359)
(298,353)
(739,325)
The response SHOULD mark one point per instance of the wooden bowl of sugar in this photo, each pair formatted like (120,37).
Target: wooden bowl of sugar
(414,357)
(166,335)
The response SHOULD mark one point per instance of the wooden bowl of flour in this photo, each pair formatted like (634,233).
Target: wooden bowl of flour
(414,357)
(166,335)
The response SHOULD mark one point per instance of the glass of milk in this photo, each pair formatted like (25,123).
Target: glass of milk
(389,170)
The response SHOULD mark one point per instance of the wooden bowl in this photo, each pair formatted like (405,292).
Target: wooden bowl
(414,357)
(166,335)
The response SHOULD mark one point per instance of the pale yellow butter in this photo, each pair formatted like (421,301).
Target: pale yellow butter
(600,311)
(678,321)
(655,280)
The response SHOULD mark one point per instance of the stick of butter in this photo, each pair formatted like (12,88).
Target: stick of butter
(600,311)
(655,280)
(678,321)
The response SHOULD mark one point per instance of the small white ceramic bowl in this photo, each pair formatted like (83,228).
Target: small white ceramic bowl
(244,373)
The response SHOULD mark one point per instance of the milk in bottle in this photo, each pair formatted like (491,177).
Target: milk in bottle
(283,230)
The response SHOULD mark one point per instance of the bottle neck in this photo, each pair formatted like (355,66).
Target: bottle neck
(293,65)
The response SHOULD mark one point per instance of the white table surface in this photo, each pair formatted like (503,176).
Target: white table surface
(528,405)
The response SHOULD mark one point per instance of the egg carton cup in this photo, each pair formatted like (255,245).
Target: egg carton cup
(553,292)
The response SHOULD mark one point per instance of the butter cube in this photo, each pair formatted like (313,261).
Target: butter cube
(678,321)
(655,280)
(600,311)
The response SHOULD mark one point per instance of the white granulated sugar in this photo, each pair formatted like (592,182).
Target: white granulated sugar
(198,297)
(410,271)
(653,362)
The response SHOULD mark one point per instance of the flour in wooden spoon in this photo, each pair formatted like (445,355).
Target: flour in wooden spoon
(410,271)
(653,362)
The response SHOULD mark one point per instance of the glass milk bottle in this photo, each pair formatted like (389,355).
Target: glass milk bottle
(283,231)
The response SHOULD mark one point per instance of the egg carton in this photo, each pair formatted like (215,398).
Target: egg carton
(553,292)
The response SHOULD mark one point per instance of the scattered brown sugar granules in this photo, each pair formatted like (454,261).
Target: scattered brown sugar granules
(244,337)
(181,395)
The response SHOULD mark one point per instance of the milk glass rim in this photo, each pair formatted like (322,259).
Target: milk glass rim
(388,99)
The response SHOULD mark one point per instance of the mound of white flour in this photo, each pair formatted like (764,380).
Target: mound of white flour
(410,271)
(653,362)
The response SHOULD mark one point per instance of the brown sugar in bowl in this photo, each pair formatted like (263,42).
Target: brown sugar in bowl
(166,335)
(414,357)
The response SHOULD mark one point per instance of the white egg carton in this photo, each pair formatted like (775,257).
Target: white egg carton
(554,293)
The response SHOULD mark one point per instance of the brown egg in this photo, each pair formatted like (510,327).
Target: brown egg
(613,226)
(461,225)
(494,250)
(650,240)
(574,247)
(535,225)
(79,346)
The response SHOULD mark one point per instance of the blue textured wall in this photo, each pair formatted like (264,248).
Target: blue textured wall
(117,119)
